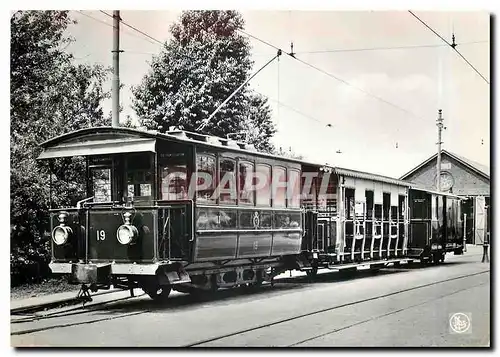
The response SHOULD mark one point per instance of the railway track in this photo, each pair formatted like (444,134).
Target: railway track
(24,310)
(71,311)
(102,306)
(320,311)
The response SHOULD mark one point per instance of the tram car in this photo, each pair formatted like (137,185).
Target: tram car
(192,212)
(173,211)
(436,225)
(363,221)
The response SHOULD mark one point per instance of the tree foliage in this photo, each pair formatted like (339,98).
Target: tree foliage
(50,95)
(288,153)
(204,63)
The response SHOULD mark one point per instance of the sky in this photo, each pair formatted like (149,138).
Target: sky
(378,107)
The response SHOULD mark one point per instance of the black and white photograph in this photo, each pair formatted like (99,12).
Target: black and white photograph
(221,176)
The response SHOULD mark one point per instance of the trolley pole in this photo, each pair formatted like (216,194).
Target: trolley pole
(115,121)
(439,124)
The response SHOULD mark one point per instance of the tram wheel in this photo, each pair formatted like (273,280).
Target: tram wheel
(158,293)
(312,272)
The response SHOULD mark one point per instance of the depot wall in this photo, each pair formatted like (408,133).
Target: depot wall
(466,181)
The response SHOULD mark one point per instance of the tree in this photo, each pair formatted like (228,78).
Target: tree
(202,65)
(49,96)
(290,153)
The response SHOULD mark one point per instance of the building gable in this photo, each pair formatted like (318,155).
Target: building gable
(466,180)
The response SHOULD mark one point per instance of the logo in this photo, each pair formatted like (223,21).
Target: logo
(256,220)
(460,323)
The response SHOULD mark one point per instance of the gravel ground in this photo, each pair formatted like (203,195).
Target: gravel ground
(46,287)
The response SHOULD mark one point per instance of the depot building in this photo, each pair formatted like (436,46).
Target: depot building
(462,177)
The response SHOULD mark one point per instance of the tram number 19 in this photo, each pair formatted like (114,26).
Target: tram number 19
(101,234)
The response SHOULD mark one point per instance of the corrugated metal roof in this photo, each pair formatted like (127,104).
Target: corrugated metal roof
(369,176)
(436,192)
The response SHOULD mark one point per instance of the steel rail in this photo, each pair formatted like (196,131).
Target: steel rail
(201,342)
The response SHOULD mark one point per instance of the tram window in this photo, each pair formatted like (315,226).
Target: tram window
(434,209)
(293,188)
(211,218)
(266,220)
(320,182)
(174,182)
(264,192)
(386,205)
(227,181)
(327,200)
(369,204)
(331,191)
(286,220)
(440,205)
(279,192)
(309,193)
(246,174)
(139,176)
(394,213)
(205,167)
(402,200)
(101,184)
(349,203)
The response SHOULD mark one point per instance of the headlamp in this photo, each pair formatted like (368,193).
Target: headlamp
(127,233)
(61,233)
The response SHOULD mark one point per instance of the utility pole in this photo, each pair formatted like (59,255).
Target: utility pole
(115,121)
(439,124)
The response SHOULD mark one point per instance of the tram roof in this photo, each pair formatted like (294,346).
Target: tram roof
(136,140)
(437,192)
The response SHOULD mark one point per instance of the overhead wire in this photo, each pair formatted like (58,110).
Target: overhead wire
(383,48)
(274,100)
(110,25)
(271,45)
(149,37)
(334,76)
(135,29)
(288,107)
(453,46)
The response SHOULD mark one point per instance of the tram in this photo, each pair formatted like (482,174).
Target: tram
(192,212)
(436,225)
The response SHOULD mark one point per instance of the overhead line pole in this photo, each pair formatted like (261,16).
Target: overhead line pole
(439,124)
(115,120)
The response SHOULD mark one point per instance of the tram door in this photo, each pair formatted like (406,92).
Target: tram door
(310,240)
(480,219)
(174,234)
(419,219)
(326,231)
